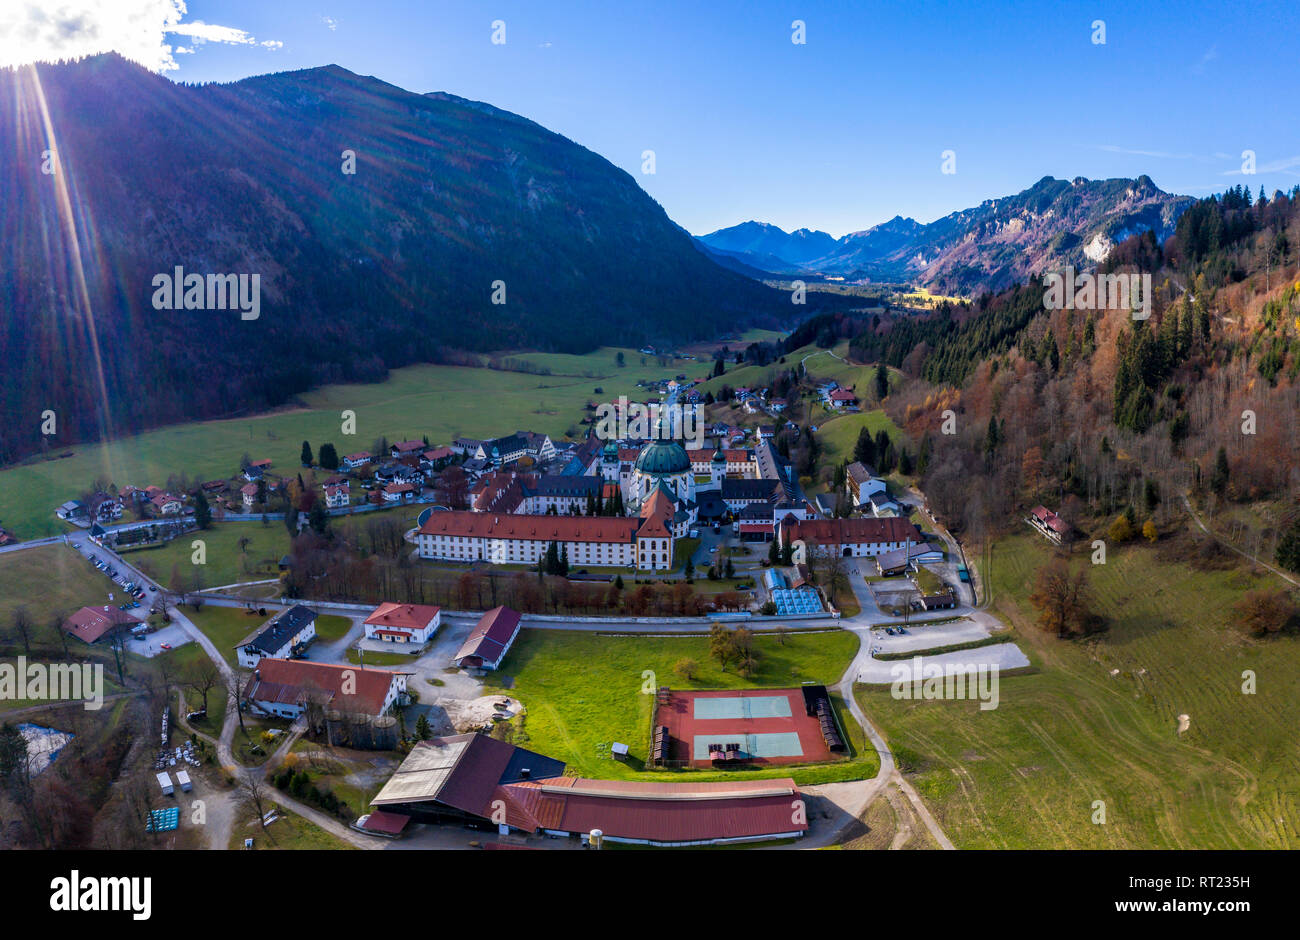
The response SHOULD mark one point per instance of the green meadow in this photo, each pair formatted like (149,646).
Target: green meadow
(442,402)
(583,692)
(1095,723)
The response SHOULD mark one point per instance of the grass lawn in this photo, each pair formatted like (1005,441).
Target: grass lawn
(443,402)
(840,434)
(581,690)
(290,831)
(331,627)
(1027,773)
(225,626)
(379,659)
(48,580)
(225,563)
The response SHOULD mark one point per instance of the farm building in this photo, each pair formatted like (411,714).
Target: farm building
(490,640)
(92,624)
(285,687)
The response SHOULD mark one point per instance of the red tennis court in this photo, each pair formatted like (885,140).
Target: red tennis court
(742,727)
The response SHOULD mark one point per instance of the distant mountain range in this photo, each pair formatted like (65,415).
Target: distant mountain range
(997,243)
(452,202)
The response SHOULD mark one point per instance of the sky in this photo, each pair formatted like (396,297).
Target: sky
(840,132)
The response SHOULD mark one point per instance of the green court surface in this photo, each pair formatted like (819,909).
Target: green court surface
(774,744)
(742,706)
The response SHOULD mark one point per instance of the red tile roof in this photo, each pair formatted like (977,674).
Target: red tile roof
(289,680)
(91,623)
(1050,519)
(851,531)
(664,812)
(490,636)
(612,529)
(388,823)
(408,616)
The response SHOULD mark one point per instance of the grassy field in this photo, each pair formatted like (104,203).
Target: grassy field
(290,831)
(582,691)
(441,401)
(225,563)
(1097,720)
(225,626)
(47,580)
(839,435)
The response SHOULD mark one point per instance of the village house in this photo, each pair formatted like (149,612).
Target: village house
(1051,526)
(407,449)
(403,623)
(280,638)
(165,504)
(841,398)
(249,494)
(356,461)
(399,493)
(338,495)
(862,483)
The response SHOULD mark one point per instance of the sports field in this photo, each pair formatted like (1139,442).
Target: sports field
(768,726)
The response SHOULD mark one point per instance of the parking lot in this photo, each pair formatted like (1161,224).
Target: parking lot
(151,644)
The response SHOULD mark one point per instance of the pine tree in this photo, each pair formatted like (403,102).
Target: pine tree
(306,454)
(202,512)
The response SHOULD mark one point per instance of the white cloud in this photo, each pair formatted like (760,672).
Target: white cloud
(329,21)
(273,44)
(49,30)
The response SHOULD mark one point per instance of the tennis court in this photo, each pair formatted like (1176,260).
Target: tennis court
(747,706)
(735,727)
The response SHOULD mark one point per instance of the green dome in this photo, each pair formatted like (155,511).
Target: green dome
(663,457)
(719,456)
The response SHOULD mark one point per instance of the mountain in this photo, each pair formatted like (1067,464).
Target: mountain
(995,244)
(770,244)
(391,265)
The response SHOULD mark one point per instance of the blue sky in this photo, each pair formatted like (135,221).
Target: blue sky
(846,130)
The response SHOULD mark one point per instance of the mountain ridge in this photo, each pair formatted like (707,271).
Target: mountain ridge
(986,247)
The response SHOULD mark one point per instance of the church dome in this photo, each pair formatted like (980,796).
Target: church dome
(663,457)
(719,456)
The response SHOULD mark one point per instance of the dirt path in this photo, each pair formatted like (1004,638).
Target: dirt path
(1226,544)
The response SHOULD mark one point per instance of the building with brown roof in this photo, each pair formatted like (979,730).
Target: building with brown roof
(490,640)
(403,623)
(851,538)
(475,779)
(91,624)
(285,687)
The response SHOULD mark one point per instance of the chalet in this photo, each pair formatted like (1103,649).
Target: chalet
(851,538)
(841,398)
(490,640)
(92,624)
(356,461)
(280,638)
(338,495)
(105,509)
(283,688)
(1049,524)
(399,493)
(407,449)
(249,494)
(167,505)
(766,432)
(403,623)
(861,483)
(436,458)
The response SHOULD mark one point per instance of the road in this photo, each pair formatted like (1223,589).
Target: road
(851,797)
